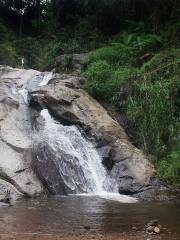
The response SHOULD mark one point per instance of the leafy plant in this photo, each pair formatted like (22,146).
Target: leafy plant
(169,168)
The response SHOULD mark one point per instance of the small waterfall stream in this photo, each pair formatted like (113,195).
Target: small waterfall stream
(77,160)
(82,171)
(66,161)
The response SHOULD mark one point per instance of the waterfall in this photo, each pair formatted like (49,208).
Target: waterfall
(65,160)
(88,173)
(77,161)
(47,77)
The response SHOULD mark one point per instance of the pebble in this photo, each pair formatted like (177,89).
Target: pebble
(87,227)
(153,223)
(157,230)
(134,228)
(150,229)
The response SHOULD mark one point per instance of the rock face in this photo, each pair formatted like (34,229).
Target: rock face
(16,173)
(71,105)
(73,63)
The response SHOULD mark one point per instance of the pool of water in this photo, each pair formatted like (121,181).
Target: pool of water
(70,214)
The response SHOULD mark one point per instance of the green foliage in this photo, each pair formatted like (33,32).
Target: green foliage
(151,106)
(169,168)
(127,49)
(148,94)
(105,82)
(3,33)
(40,52)
(8,54)
(99,73)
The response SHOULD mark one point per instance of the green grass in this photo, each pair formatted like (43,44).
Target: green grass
(142,71)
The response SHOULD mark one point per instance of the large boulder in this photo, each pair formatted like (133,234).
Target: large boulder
(70,62)
(71,105)
(15,135)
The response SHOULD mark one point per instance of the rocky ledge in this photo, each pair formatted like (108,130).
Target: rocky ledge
(16,174)
(71,105)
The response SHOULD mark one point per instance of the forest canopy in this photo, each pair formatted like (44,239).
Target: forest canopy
(108,16)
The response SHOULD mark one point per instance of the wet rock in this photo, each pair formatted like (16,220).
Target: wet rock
(73,106)
(153,226)
(8,193)
(150,229)
(134,228)
(153,223)
(15,140)
(158,191)
(157,230)
(87,227)
(7,198)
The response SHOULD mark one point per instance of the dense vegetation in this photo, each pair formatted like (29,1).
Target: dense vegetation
(134,64)
(139,73)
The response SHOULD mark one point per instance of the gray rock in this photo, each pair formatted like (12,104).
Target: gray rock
(70,63)
(15,137)
(153,223)
(71,106)
(8,190)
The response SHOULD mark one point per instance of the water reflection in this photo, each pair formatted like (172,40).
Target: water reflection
(70,214)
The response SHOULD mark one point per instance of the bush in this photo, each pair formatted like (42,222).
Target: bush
(152,107)
(107,83)
(139,73)
(3,33)
(169,168)
(8,55)
(99,74)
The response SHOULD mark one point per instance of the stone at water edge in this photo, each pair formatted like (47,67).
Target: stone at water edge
(153,222)
(150,229)
(153,227)
(87,227)
(157,230)
(6,198)
(134,228)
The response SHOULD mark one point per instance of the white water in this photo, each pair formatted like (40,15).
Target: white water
(47,77)
(24,94)
(76,159)
(82,171)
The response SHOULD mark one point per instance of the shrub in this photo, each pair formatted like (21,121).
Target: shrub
(99,75)
(107,83)
(139,73)
(8,55)
(169,168)
(151,106)
(3,33)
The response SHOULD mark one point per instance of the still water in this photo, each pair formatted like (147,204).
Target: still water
(69,214)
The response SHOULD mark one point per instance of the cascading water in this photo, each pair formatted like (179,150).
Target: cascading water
(83,170)
(77,161)
(47,77)
(66,162)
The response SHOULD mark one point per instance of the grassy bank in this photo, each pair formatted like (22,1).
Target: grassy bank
(139,73)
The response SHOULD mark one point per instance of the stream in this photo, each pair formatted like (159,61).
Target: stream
(67,215)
